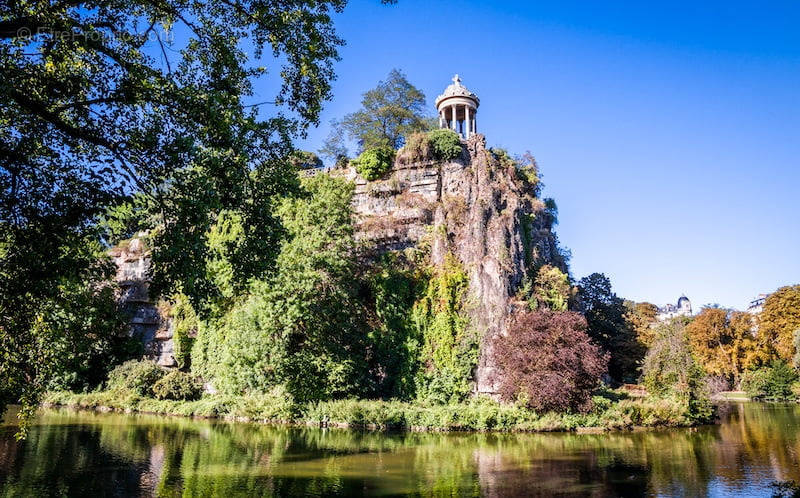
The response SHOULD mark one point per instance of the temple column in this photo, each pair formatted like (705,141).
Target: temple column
(466,122)
(455,123)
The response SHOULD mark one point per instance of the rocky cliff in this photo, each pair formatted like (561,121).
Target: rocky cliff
(481,208)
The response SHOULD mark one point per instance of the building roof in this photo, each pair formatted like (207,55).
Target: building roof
(456,89)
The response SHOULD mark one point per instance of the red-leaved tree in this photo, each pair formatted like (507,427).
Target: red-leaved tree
(548,359)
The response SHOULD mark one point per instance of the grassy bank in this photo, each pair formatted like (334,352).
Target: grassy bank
(612,411)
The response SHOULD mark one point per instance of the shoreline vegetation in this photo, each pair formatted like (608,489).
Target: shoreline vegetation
(613,410)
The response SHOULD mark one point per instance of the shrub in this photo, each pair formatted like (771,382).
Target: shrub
(773,382)
(374,163)
(178,386)
(137,376)
(551,289)
(277,405)
(302,159)
(548,360)
(416,148)
(445,144)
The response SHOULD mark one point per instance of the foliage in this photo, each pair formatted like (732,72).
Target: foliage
(608,327)
(439,144)
(796,359)
(551,212)
(449,345)
(334,148)
(611,411)
(723,342)
(127,219)
(670,370)
(551,289)
(374,163)
(62,333)
(394,286)
(303,159)
(772,382)
(778,322)
(136,376)
(528,170)
(177,386)
(99,105)
(640,317)
(445,144)
(184,329)
(417,147)
(301,327)
(548,361)
(389,112)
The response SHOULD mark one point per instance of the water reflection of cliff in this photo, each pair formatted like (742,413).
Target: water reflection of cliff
(86,453)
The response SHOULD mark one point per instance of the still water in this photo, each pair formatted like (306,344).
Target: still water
(90,454)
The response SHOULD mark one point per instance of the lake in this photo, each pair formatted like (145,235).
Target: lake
(71,453)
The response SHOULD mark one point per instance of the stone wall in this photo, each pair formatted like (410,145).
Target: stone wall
(147,322)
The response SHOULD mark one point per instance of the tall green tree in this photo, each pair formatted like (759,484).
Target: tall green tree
(607,326)
(97,102)
(389,112)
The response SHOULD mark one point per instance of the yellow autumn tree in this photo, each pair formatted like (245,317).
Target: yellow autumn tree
(744,349)
(708,336)
(723,342)
(641,317)
(779,320)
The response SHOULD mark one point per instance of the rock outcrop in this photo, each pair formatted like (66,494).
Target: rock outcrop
(478,207)
(147,323)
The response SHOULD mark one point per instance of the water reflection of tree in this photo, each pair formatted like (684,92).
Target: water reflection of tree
(85,453)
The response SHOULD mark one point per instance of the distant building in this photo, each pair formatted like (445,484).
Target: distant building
(756,306)
(670,311)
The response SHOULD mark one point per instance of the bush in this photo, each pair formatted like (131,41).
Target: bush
(445,144)
(137,376)
(302,159)
(178,386)
(416,148)
(773,382)
(374,163)
(548,361)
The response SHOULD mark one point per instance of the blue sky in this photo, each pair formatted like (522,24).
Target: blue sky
(667,135)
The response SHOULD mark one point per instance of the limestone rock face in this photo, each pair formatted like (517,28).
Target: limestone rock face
(476,207)
(146,323)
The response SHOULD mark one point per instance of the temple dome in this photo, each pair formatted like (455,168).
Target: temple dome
(456,89)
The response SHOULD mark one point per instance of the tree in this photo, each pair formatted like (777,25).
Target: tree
(778,322)
(709,339)
(389,112)
(548,360)
(605,316)
(723,342)
(303,159)
(334,148)
(671,370)
(99,104)
(641,317)
(551,289)
(303,326)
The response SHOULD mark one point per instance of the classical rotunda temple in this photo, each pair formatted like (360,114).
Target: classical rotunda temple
(457,108)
